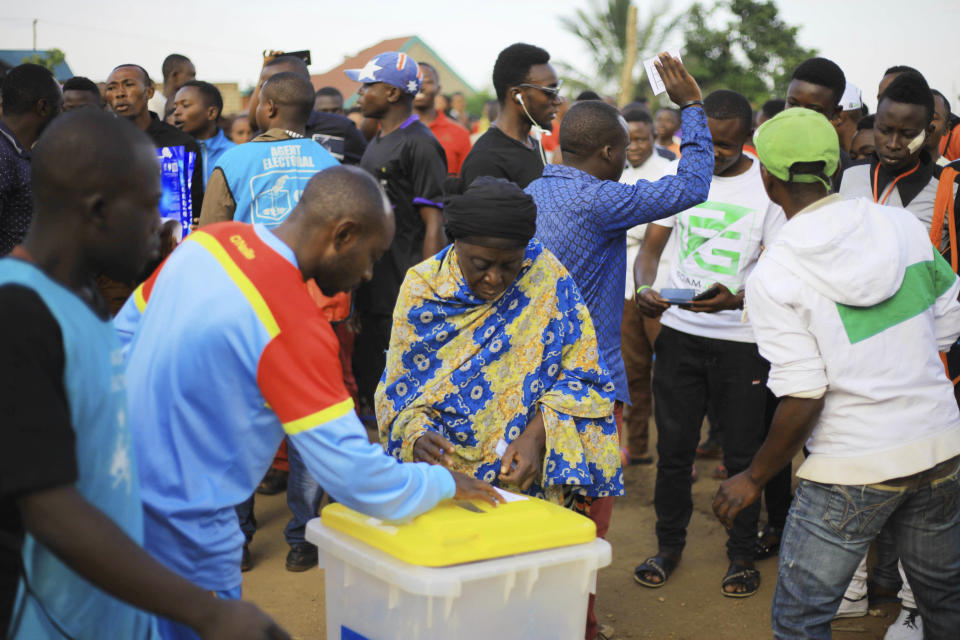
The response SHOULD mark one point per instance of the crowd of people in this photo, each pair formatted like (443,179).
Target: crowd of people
(326,278)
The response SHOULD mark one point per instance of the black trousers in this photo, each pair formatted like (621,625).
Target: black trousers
(370,352)
(778,494)
(688,373)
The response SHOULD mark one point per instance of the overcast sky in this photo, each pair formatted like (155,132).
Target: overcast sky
(225,39)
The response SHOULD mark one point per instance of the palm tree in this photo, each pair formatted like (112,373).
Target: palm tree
(603,29)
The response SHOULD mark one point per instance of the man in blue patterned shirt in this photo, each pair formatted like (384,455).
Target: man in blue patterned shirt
(583,214)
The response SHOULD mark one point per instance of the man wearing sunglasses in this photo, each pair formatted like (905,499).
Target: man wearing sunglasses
(528,91)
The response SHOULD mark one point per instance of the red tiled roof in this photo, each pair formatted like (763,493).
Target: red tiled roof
(337,78)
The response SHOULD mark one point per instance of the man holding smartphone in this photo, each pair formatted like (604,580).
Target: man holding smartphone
(705,353)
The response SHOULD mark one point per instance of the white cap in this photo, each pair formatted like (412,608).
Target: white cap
(851,99)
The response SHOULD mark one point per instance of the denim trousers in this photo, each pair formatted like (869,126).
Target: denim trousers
(689,373)
(303,499)
(303,496)
(830,528)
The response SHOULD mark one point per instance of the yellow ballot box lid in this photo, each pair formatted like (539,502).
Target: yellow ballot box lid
(455,531)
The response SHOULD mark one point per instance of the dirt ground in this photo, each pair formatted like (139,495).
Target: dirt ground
(689,607)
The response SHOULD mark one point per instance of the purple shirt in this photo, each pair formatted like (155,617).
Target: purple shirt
(16,205)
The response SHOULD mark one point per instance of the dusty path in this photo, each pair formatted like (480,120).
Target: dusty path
(689,607)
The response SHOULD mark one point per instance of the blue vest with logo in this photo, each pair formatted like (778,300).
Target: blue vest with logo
(106,473)
(266,179)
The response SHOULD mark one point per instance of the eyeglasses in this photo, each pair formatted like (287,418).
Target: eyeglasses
(550,92)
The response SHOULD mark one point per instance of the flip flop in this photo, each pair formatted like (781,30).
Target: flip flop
(660,564)
(739,574)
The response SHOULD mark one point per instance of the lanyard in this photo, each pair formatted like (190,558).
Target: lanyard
(876,177)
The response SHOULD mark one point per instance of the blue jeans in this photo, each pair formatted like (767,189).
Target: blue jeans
(303,499)
(303,496)
(829,530)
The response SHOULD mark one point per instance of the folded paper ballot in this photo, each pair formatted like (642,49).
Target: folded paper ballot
(656,82)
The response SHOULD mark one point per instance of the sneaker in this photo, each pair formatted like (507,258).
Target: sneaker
(246,563)
(909,626)
(852,608)
(302,556)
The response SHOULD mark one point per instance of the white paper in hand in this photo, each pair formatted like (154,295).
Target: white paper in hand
(656,82)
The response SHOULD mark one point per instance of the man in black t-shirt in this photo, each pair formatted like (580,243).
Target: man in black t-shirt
(818,84)
(528,92)
(411,166)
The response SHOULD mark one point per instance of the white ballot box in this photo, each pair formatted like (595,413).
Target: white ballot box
(461,571)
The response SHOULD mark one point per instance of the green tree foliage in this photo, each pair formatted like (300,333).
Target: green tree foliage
(476,101)
(48,59)
(603,29)
(753,53)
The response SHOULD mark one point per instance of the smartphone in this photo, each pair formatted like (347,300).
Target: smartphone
(678,296)
(303,55)
(708,293)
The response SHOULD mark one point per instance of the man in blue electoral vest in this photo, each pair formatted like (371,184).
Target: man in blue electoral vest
(262,181)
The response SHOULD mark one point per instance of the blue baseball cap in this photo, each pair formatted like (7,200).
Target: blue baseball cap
(394,68)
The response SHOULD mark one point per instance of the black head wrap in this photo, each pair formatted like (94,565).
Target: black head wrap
(488,208)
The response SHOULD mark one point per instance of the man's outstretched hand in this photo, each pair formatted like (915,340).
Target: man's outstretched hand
(680,85)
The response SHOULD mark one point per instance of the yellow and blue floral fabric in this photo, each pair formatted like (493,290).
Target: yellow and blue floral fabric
(477,372)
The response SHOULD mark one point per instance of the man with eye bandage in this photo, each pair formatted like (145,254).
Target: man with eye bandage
(901,172)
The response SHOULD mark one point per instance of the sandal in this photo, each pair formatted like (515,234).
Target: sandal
(710,449)
(720,472)
(768,542)
(739,574)
(661,565)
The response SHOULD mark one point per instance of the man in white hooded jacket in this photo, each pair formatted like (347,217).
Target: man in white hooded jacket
(852,338)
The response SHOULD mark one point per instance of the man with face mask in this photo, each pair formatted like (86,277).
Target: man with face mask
(705,353)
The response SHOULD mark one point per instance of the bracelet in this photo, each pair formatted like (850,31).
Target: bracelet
(690,103)
(642,287)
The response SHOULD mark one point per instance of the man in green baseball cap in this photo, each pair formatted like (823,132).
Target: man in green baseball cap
(852,339)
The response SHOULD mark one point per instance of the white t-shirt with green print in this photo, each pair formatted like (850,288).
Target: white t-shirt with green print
(720,241)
